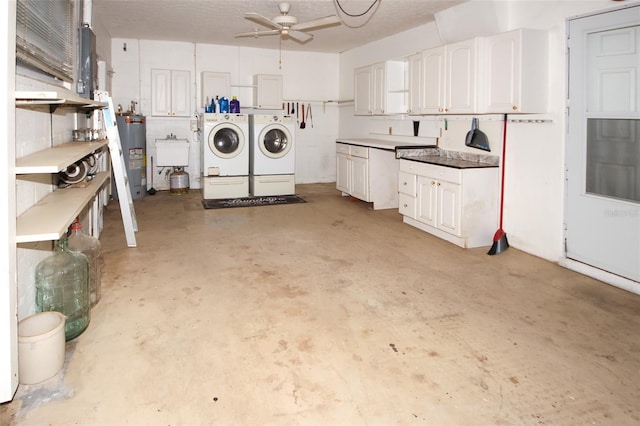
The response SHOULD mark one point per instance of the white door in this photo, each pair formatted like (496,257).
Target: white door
(433,80)
(343,173)
(360,178)
(602,215)
(362,89)
(461,71)
(180,93)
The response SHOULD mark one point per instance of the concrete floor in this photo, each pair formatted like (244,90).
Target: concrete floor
(329,313)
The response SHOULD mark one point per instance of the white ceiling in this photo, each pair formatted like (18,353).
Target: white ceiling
(216,21)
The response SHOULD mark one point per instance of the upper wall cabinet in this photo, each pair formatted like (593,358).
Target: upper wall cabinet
(416,83)
(381,88)
(170,93)
(461,77)
(515,72)
(363,83)
(267,91)
(505,73)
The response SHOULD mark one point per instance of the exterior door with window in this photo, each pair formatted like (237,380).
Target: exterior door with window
(602,215)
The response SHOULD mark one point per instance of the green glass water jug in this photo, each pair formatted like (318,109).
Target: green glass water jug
(62,285)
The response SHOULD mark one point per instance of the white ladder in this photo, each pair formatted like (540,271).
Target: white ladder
(119,170)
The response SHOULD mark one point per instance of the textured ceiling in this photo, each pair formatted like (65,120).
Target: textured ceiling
(216,21)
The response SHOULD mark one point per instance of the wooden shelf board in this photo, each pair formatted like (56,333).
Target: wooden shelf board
(56,159)
(50,218)
(26,98)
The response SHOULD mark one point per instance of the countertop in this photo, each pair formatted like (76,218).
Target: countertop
(456,163)
(390,145)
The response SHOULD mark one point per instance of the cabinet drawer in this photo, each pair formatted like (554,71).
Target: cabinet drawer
(359,151)
(407,205)
(342,148)
(448,174)
(407,184)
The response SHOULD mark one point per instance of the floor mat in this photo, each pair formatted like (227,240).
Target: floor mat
(251,201)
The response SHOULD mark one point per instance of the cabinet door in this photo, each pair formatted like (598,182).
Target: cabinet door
(433,80)
(180,93)
(415,84)
(362,91)
(268,91)
(360,178)
(343,173)
(503,72)
(161,92)
(511,86)
(449,207)
(461,75)
(427,200)
(379,88)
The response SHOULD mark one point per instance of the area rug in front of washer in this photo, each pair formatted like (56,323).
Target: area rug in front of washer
(271,200)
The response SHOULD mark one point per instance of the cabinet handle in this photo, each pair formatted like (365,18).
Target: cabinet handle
(515,107)
(404,183)
(438,183)
(405,206)
(433,182)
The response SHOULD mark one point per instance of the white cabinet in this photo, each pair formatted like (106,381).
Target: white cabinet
(461,77)
(433,81)
(449,78)
(267,91)
(381,88)
(415,83)
(51,217)
(515,70)
(170,93)
(369,174)
(458,205)
(353,170)
(363,83)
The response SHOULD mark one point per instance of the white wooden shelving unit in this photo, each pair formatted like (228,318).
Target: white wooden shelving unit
(50,218)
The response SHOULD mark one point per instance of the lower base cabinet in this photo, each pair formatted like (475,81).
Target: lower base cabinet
(458,205)
(368,174)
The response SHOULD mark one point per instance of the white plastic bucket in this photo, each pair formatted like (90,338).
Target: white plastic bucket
(41,347)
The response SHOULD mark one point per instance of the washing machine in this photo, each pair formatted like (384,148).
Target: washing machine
(272,155)
(225,155)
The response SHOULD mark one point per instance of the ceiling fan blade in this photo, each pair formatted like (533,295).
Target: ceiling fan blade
(300,36)
(257,33)
(316,23)
(259,19)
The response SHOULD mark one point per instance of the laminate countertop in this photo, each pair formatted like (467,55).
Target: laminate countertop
(456,163)
(389,145)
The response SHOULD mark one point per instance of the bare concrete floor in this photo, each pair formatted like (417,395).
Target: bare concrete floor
(329,313)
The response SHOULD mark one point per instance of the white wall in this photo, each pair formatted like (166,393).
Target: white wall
(309,78)
(535,152)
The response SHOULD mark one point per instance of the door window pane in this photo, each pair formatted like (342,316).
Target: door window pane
(613,158)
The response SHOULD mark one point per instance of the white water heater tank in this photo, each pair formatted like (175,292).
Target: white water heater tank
(172,153)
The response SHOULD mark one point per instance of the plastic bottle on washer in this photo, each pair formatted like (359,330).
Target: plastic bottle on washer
(234,106)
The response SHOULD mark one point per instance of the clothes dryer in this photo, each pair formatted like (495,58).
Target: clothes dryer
(272,155)
(225,156)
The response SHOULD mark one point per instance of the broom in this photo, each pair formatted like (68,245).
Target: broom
(500,242)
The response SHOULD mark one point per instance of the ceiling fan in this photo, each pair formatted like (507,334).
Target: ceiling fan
(287,25)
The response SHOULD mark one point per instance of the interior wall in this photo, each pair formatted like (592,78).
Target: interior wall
(534,187)
(310,78)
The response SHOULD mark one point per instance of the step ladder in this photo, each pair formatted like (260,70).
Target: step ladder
(119,170)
